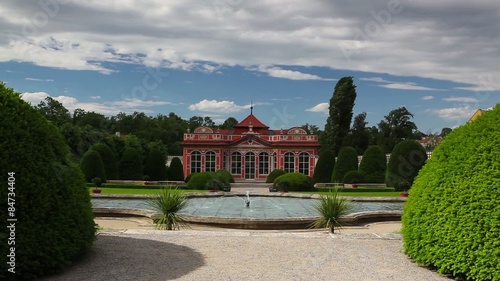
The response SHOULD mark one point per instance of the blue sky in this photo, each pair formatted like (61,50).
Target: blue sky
(214,58)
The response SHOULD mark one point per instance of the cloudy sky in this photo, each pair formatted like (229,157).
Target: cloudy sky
(214,58)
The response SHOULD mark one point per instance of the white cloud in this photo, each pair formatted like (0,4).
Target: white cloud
(462,99)
(34,98)
(454,113)
(95,97)
(321,107)
(278,72)
(37,79)
(217,106)
(427,97)
(139,103)
(398,85)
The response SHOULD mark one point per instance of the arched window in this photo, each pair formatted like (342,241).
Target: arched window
(304,163)
(195,162)
(250,165)
(289,162)
(263,163)
(236,163)
(210,161)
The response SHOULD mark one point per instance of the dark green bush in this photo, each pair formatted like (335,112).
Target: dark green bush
(131,165)
(52,204)
(293,182)
(451,220)
(205,180)
(108,160)
(354,176)
(155,166)
(189,177)
(226,175)
(346,161)
(176,171)
(324,167)
(407,158)
(97,182)
(274,174)
(91,166)
(358,189)
(374,164)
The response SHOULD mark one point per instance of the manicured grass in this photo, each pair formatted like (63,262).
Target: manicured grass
(361,194)
(105,190)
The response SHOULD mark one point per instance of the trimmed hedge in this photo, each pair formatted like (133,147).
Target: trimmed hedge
(138,186)
(346,161)
(274,174)
(131,165)
(407,158)
(293,182)
(324,167)
(207,181)
(374,164)
(92,167)
(108,160)
(55,223)
(176,171)
(354,176)
(451,220)
(226,175)
(358,189)
(155,166)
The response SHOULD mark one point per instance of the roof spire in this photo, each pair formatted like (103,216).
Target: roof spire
(251,108)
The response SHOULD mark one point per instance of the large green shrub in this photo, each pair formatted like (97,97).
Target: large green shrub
(274,174)
(354,176)
(92,167)
(108,160)
(346,161)
(407,158)
(52,204)
(324,167)
(226,175)
(374,164)
(176,171)
(205,180)
(451,220)
(131,165)
(155,166)
(293,182)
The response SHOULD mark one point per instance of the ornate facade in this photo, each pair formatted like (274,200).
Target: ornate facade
(249,150)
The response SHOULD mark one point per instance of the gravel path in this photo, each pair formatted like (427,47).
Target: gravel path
(137,254)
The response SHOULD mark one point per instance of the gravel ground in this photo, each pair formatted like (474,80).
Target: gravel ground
(139,254)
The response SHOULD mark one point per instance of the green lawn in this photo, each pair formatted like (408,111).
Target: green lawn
(105,190)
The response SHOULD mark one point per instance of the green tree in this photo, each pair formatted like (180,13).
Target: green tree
(346,161)
(108,160)
(92,166)
(130,167)
(55,224)
(396,127)
(95,120)
(176,171)
(445,132)
(340,114)
(229,123)
(374,164)
(155,166)
(360,135)
(451,219)
(54,111)
(407,158)
(324,167)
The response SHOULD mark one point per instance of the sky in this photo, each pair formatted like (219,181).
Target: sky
(216,58)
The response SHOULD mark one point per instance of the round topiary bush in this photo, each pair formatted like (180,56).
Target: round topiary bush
(346,161)
(155,166)
(354,176)
(324,167)
(293,182)
(226,177)
(131,165)
(55,223)
(374,164)
(204,181)
(176,171)
(274,174)
(451,220)
(407,158)
(108,160)
(92,167)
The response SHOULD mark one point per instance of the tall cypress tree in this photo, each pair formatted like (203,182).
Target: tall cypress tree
(340,114)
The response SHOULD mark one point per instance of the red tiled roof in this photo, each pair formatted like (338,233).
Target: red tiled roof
(253,120)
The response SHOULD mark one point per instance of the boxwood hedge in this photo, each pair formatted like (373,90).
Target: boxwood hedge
(407,158)
(52,204)
(324,167)
(274,174)
(451,220)
(374,164)
(92,166)
(346,161)
(293,182)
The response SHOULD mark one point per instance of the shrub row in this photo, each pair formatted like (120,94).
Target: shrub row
(220,180)
(293,182)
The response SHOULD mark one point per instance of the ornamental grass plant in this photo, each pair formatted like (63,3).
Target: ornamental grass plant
(168,203)
(330,208)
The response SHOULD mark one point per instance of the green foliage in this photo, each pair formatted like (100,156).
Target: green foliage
(406,160)
(324,167)
(274,174)
(155,166)
(168,203)
(91,166)
(131,165)
(396,127)
(108,160)
(176,171)
(354,176)
(52,204)
(206,180)
(374,164)
(293,182)
(97,182)
(226,179)
(451,220)
(346,161)
(330,208)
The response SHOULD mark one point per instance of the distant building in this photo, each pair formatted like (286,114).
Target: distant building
(249,150)
(476,114)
